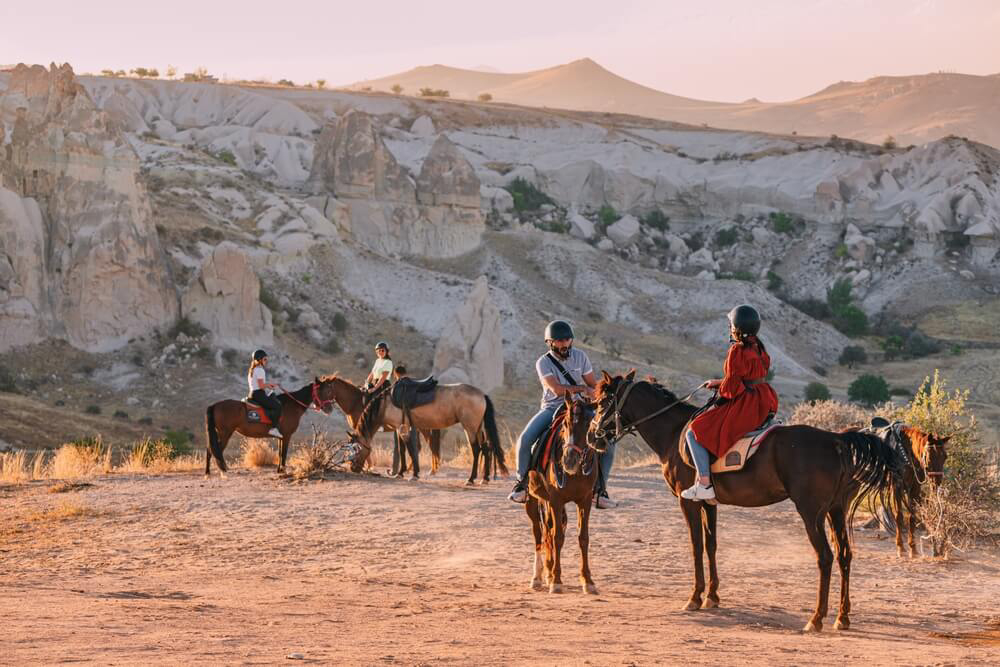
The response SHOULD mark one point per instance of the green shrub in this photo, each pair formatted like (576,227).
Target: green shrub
(526,196)
(227,157)
(696,241)
(179,440)
(396,89)
(657,220)
(892,347)
(269,300)
(774,281)
(851,321)
(229,356)
(840,252)
(145,421)
(726,237)
(782,223)
(7,383)
(819,370)
(839,295)
(339,322)
(608,216)
(332,346)
(868,390)
(121,414)
(817,391)
(93,410)
(852,354)
(814,308)
(889,143)
(434,92)
(188,328)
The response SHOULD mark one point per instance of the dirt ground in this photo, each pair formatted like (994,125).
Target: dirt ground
(176,569)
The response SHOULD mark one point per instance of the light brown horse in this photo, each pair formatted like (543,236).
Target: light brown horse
(546,506)
(927,456)
(224,418)
(826,475)
(453,404)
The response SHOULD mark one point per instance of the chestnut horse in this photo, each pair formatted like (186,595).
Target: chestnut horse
(546,506)
(224,418)
(927,455)
(453,404)
(825,474)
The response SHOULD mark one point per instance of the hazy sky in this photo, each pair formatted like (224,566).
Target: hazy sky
(724,50)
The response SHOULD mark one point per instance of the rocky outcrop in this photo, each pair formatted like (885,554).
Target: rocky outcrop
(352,163)
(470,349)
(75,221)
(625,231)
(225,299)
(446,177)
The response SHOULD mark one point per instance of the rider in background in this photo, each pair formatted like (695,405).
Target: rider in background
(747,400)
(575,377)
(382,370)
(262,391)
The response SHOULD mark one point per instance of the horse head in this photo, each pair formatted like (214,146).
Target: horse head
(574,434)
(603,427)
(324,392)
(935,455)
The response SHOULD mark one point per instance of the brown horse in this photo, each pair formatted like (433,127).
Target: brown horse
(825,474)
(224,418)
(453,404)
(548,497)
(927,455)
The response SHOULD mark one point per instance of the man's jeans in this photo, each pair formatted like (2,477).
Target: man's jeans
(532,432)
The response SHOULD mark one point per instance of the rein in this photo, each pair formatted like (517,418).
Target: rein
(316,400)
(619,400)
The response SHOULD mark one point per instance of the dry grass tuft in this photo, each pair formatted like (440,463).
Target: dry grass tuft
(81,459)
(380,456)
(258,453)
(19,466)
(65,486)
(62,512)
(157,456)
(317,458)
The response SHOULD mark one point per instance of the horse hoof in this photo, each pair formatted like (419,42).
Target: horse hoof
(590,589)
(536,585)
(469,482)
(813,626)
(484,482)
(281,470)
(222,475)
(555,588)
(842,624)
(692,605)
(709,603)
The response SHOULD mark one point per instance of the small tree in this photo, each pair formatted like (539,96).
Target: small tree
(851,321)
(817,391)
(851,355)
(171,71)
(485,97)
(889,143)
(868,390)
(434,92)
(321,83)
(839,295)
(396,89)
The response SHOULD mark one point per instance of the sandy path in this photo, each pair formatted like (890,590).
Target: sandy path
(365,570)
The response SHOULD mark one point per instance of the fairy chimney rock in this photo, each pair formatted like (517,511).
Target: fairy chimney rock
(471,346)
(446,177)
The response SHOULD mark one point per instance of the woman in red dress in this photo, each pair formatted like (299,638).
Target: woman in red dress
(748,400)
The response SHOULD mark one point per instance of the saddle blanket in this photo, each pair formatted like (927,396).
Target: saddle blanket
(737,455)
(255,413)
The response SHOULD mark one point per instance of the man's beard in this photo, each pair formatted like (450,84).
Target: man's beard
(562,353)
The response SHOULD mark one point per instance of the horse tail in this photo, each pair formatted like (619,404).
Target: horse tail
(435,444)
(876,467)
(492,435)
(213,438)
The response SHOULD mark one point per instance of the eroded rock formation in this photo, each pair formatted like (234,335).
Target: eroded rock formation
(471,346)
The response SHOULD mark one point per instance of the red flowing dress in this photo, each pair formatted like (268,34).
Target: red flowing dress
(719,428)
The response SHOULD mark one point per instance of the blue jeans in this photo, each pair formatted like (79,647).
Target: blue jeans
(532,432)
(607,458)
(699,454)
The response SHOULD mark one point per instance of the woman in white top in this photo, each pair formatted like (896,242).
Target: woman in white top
(262,391)
(382,370)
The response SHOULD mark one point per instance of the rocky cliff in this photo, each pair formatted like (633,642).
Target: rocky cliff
(77,242)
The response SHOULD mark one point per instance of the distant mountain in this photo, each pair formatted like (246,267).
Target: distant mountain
(912,109)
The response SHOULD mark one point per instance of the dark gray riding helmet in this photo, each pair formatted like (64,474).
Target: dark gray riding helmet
(745,319)
(558,330)
(382,345)
(259,354)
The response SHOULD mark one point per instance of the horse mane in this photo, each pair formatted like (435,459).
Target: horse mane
(605,384)
(368,423)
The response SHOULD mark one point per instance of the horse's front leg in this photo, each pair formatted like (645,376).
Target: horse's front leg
(475,464)
(711,543)
(898,498)
(531,507)
(583,529)
(283,452)
(559,529)
(692,513)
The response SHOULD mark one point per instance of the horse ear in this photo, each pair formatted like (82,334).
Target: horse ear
(630,375)
(605,377)
(315,379)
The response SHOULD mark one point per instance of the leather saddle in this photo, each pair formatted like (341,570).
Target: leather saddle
(258,414)
(736,457)
(407,394)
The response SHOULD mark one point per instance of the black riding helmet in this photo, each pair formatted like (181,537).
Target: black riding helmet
(259,354)
(745,319)
(558,330)
(382,345)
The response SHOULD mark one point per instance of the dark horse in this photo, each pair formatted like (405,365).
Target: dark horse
(825,474)
(224,418)
(547,504)
(453,404)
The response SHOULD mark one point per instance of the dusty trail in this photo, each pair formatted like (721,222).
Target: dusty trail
(365,570)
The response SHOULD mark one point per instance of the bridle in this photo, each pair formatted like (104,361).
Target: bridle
(316,403)
(619,398)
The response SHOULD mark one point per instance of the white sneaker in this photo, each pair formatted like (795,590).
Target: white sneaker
(699,492)
(275,433)
(518,495)
(604,503)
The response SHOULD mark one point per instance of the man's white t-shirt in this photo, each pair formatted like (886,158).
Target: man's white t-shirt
(382,365)
(258,374)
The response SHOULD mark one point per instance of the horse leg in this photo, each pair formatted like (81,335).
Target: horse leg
(531,507)
(711,513)
(558,512)
(208,461)
(487,458)
(838,521)
(897,497)
(548,540)
(583,529)
(283,449)
(475,463)
(692,513)
(814,518)
(912,523)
